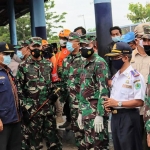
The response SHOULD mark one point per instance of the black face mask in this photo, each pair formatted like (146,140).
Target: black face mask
(36,53)
(117,64)
(86,53)
(147,49)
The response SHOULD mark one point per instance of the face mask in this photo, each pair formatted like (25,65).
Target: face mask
(36,53)
(141,43)
(86,52)
(116,38)
(62,42)
(147,49)
(20,55)
(6,60)
(117,63)
(69,46)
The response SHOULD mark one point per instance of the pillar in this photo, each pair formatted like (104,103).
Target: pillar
(32,19)
(12,23)
(38,16)
(103,18)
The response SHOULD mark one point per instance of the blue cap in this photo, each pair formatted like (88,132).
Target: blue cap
(129,37)
(120,48)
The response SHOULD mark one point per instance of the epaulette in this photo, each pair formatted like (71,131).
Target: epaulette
(135,73)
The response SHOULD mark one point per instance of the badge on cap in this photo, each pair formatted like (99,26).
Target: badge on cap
(6,46)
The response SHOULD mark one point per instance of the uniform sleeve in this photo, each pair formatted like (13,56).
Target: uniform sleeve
(139,88)
(21,84)
(101,80)
(146,116)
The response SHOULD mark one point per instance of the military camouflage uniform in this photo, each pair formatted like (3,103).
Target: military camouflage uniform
(93,87)
(34,86)
(71,74)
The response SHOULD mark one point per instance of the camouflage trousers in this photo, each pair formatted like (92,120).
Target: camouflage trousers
(79,134)
(41,127)
(93,140)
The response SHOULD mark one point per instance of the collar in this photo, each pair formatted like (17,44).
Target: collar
(75,56)
(31,61)
(125,73)
(93,58)
(135,52)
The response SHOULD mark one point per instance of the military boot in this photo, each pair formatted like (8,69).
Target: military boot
(65,125)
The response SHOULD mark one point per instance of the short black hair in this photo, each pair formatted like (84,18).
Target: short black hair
(115,28)
(80,28)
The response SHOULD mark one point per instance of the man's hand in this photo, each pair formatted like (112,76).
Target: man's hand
(148,140)
(1,125)
(110,102)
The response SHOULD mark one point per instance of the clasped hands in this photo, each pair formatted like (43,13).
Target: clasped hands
(109,102)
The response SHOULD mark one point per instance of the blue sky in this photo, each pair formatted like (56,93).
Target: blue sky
(75,8)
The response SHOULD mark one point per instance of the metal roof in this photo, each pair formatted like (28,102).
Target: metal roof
(21,7)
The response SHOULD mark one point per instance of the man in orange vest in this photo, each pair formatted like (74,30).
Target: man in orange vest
(63,53)
(60,56)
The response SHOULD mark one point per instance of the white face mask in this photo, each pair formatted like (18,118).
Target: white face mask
(62,42)
(141,43)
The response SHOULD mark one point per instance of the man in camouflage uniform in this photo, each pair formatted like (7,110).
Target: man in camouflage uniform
(146,45)
(92,117)
(34,78)
(71,76)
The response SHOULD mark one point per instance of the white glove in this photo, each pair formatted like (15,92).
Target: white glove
(79,120)
(98,124)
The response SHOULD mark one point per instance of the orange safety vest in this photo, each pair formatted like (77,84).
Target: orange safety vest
(60,56)
(54,70)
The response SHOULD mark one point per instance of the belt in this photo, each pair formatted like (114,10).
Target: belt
(123,110)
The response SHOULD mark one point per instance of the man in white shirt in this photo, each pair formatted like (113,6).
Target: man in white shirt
(127,93)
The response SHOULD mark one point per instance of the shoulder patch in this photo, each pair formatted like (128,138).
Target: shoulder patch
(137,86)
(135,73)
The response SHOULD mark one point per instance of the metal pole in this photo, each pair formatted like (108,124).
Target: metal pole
(39,18)
(12,23)
(103,18)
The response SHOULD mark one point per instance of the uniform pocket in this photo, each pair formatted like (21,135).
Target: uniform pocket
(125,93)
(2,86)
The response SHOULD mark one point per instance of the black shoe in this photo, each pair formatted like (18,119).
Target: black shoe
(68,128)
(65,125)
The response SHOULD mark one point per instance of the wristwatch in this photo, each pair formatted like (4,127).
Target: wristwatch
(120,104)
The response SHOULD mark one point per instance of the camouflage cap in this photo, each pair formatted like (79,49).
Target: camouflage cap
(143,28)
(73,36)
(22,44)
(87,38)
(35,40)
(146,36)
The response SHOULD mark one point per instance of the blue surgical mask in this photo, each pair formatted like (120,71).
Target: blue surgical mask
(116,39)
(19,54)
(69,46)
(7,60)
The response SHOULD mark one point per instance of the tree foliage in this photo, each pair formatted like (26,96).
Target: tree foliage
(53,20)
(139,13)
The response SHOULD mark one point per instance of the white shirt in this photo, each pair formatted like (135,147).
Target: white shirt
(128,85)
